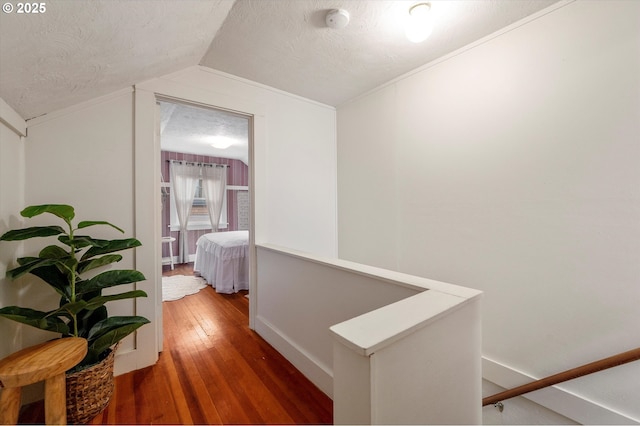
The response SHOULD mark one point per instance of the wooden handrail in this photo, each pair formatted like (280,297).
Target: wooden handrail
(574,373)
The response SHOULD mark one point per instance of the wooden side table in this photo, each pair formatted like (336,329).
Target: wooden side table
(169,240)
(47,361)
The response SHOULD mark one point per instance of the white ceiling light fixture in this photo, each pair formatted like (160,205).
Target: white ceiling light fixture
(419,23)
(220,142)
(337,18)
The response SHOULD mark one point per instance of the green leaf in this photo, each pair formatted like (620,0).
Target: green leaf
(107,333)
(63,211)
(71,308)
(34,231)
(55,278)
(110,279)
(112,323)
(87,319)
(96,302)
(53,252)
(110,246)
(87,223)
(88,265)
(51,274)
(35,318)
(81,241)
(25,260)
(29,266)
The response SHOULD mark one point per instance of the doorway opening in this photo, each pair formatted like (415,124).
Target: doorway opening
(205,198)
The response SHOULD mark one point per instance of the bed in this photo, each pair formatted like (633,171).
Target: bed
(222,258)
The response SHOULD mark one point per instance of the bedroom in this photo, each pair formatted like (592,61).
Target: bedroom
(213,145)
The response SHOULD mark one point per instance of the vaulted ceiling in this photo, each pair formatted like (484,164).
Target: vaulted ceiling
(75,50)
(80,49)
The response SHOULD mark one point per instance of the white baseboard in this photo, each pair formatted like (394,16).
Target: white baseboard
(320,375)
(130,360)
(553,398)
(556,399)
(124,362)
(167,260)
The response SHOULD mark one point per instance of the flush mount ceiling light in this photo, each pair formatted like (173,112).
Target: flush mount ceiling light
(419,23)
(337,18)
(220,142)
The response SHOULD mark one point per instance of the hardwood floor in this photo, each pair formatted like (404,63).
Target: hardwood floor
(213,370)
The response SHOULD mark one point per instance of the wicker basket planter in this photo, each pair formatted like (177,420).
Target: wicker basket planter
(89,391)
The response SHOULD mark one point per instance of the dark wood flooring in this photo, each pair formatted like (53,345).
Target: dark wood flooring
(213,370)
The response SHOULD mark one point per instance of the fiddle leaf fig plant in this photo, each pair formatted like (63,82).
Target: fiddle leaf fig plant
(82,311)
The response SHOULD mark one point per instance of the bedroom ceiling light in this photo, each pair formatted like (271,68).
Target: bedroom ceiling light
(419,23)
(221,142)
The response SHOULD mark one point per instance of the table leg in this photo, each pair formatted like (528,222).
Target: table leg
(9,405)
(171,253)
(55,400)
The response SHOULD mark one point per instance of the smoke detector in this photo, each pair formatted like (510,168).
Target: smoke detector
(337,18)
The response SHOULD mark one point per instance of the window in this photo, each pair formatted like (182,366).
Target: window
(199,216)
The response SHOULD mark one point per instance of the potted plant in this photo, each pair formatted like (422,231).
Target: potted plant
(82,311)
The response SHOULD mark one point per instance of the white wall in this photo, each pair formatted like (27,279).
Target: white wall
(296,308)
(375,340)
(21,292)
(11,202)
(517,409)
(82,156)
(511,166)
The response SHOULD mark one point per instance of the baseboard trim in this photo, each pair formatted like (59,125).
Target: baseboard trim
(167,260)
(320,375)
(554,398)
(129,360)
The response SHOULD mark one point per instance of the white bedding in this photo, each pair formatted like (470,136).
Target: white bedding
(222,258)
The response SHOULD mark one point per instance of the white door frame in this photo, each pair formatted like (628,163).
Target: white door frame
(147,195)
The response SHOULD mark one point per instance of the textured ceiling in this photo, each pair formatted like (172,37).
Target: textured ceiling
(79,49)
(287,45)
(191,129)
